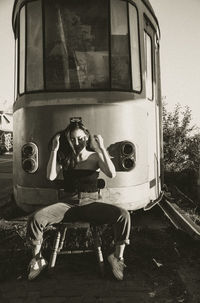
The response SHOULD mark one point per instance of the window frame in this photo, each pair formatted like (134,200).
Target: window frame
(128,2)
(19,54)
(150,31)
(146,67)
(139,47)
(128,48)
(16,68)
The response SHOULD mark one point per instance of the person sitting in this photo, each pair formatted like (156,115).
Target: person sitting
(80,164)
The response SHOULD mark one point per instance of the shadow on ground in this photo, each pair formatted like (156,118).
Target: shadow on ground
(159,263)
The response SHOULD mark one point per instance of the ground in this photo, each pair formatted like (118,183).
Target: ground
(163,265)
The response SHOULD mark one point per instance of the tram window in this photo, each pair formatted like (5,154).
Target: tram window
(16,68)
(135,55)
(34,73)
(76,48)
(148,66)
(120,65)
(22,52)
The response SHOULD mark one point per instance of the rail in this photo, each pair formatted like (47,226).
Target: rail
(179,218)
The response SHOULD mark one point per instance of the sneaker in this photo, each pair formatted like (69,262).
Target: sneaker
(117,267)
(35,267)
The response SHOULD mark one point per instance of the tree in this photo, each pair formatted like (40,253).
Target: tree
(181,141)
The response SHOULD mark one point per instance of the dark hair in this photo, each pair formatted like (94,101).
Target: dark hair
(66,154)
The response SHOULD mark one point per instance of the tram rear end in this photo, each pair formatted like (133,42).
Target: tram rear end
(97,60)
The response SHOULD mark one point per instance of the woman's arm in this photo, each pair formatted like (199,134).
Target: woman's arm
(53,168)
(104,161)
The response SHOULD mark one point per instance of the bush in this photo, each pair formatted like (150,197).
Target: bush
(181,143)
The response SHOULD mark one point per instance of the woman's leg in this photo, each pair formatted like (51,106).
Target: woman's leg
(119,218)
(101,213)
(119,251)
(42,218)
(37,223)
(96,213)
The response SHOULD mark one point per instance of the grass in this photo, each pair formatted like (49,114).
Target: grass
(187,201)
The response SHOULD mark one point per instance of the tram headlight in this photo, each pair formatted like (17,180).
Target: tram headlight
(30,157)
(28,150)
(29,165)
(128,155)
(128,163)
(127,148)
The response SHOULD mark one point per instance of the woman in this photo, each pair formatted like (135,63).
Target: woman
(71,152)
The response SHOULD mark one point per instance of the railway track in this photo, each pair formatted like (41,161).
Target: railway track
(178,216)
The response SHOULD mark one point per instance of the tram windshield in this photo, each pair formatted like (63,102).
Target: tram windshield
(86,45)
(76,48)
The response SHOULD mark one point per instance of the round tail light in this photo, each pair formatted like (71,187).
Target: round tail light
(29,165)
(127,148)
(127,155)
(28,150)
(128,163)
(30,157)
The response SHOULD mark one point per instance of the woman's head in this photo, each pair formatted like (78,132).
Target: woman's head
(77,136)
(73,139)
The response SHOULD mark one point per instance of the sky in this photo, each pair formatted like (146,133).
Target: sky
(180,53)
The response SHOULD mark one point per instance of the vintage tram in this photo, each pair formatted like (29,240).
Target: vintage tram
(95,60)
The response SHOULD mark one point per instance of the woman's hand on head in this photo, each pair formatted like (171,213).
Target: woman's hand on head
(56,142)
(98,142)
(104,161)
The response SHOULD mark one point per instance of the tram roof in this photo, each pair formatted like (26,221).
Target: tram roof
(18,3)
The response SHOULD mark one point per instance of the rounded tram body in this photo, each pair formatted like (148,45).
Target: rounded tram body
(94,60)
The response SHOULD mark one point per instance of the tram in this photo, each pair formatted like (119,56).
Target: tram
(94,60)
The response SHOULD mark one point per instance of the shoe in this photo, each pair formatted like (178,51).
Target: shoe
(35,267)
(117,267)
